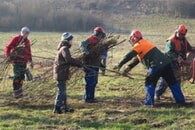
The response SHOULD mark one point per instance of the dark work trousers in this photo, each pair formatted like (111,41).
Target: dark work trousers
(91,79)
(153,76)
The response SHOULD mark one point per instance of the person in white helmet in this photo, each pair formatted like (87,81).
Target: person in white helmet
(18,51)
(62,63)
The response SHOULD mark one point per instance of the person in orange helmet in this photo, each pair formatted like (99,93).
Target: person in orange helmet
(158,66)
(177,46)
(92,63)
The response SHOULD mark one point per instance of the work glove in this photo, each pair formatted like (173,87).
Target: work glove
(80,65)
(85,55)
(126,70)
(10,58)
(31,65)
(180,60)
(116,67)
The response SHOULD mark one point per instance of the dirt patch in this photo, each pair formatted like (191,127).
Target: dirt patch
(139,121)
(169,102)
(158,125)
(48,127)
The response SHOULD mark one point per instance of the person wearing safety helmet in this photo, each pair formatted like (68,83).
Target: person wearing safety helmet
(158,66)
(63,61)
(92,63)
(18,52)
(177,46)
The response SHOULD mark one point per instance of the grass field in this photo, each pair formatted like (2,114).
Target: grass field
(120,99)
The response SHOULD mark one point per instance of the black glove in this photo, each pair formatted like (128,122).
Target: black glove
(85,56)
(126,70)
(180,60)
(10,58)
(80,65)
(116,67)
(31,65)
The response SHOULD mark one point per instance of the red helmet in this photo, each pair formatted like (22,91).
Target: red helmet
(99,29)
(136,33)
(181,29)
(99,32)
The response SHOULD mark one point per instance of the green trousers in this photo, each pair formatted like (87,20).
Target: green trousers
(19,69)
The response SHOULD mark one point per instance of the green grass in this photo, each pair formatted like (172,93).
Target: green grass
(120,105)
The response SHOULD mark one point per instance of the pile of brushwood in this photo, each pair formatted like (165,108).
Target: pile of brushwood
(16,53)
(104,45)
(95,52)
(45,72)
(187,66)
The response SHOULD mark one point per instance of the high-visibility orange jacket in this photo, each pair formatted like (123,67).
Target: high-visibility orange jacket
(174,47)
(147,53)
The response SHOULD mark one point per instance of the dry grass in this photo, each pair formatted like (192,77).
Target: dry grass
(120,99)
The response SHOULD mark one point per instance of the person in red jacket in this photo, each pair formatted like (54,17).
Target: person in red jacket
(18,51)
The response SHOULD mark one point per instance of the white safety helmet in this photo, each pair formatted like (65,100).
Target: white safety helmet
(66,36)
(25,29)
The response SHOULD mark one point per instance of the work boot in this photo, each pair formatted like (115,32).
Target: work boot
(18,93)
(91,101)
(57,110)
(17,90)
(157,98)
(68,110)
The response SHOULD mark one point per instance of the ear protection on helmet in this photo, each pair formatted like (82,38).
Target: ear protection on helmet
(181,29)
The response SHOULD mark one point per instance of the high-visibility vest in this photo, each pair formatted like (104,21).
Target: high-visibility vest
(142,48)
(177,44)
(93,40)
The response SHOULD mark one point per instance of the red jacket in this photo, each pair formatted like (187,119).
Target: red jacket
(25,56)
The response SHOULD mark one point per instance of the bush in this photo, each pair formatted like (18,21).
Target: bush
(181,8)
(44,16)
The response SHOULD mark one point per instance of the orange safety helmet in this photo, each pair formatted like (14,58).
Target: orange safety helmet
(181,29)
(135,36)
(99,32)
(136,33)
(99,29)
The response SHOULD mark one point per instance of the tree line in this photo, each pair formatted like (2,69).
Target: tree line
(82,15)
(181,8)
(44,15)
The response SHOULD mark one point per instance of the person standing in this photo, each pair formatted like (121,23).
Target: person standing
(158,66)
(177,46)
(92,63)
(18,52)
(62,63)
